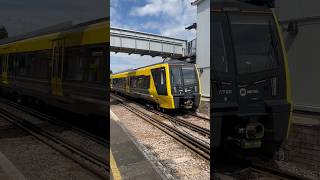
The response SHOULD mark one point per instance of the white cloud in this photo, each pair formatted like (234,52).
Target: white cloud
(156,7)
(174,16)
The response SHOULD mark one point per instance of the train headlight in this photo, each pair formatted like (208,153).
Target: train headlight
(195,89)
(175,90)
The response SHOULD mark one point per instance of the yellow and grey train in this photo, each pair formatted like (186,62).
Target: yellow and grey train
(169,85)
(63,66)
(251,100)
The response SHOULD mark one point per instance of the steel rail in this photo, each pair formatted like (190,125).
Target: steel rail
(201,117)
(65,147)
(56,121)
(276,172)
(182,122)
(179,121)
(195,145)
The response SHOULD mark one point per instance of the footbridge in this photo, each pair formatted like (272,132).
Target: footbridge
(135,42)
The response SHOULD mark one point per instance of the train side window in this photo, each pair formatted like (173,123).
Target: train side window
(134,82)
(74,69)
(22,65)
(10,64)
(148,82)
(95,57)
(1,57)
(39,63)
(140,82)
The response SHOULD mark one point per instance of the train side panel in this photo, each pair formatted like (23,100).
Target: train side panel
(163,99)
(75,81)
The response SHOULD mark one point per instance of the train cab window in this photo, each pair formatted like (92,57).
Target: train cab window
(255,43)
(220,63)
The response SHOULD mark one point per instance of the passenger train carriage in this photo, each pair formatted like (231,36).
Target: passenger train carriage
(170,85)
(251,100)
(64,66)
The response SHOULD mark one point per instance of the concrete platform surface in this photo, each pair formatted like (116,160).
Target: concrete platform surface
(8,171)
(129,159)
(306,120)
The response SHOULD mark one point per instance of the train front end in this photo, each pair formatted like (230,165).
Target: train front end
(251,105)
(185,86)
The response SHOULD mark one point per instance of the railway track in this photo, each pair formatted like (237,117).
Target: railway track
(192,143)
(72,151)
(200,117)
(261,171)
(270,172)
(58,122)
(182,122)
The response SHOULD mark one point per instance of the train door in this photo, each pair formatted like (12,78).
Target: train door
(58,50)
(159,77)
(4,69)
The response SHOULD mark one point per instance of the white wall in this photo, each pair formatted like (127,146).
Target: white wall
(289,9)
(203,45)
(303,52)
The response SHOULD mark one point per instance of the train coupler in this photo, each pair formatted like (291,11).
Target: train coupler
(188,104)
(249,144)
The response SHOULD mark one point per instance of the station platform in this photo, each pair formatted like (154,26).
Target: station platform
(8,171)
(305,119)
(127,161)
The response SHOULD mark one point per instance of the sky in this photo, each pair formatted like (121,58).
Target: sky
(164,17)
(23,16)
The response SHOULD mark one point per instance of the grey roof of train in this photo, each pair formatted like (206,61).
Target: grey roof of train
(65,26)
(239,4)
(173,61)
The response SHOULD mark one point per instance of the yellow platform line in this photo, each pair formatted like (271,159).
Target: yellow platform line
(114,169)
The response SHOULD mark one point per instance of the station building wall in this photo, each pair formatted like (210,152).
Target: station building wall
(203,45)
(303,50)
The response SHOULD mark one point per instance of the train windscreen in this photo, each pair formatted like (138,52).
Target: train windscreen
(189,75)
(183,78)
(183,75)
(255,43)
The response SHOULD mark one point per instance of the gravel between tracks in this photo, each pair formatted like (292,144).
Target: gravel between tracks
(35,147)
(180,161)
(291,167)
(36,160)
(62,132)
(197,121)
(181,128)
